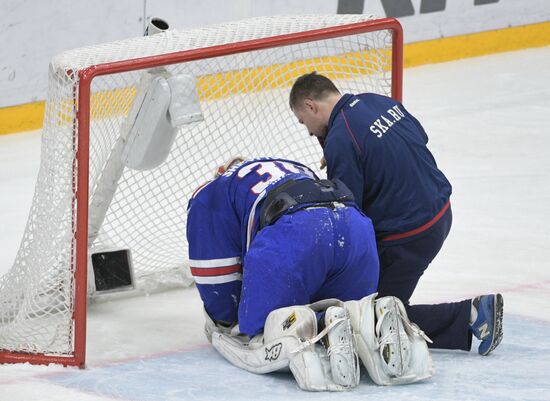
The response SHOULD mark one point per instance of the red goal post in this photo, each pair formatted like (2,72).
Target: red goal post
(81,112)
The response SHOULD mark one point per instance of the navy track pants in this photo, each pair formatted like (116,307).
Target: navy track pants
(402,263)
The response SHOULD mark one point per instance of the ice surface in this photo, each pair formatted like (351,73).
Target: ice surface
(460,376)
(488,120)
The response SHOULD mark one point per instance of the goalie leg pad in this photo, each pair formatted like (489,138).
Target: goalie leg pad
(340,342)
(255,355)
(393,349)
(341,350)
(394,343)
(271,351)
(289,341)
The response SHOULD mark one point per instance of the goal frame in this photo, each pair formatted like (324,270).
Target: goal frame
(81,142)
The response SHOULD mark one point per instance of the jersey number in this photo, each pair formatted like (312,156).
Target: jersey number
(273,171)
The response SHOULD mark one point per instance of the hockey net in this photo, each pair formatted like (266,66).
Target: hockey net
(243,71)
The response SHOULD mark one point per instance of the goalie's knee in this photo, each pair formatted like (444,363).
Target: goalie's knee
(310,365)
(293,321)
(285,330)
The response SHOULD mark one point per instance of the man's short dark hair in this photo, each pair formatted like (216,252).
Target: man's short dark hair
(312,86)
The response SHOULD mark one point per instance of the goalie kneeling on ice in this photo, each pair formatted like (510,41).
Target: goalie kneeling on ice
(393,350)
(162,106)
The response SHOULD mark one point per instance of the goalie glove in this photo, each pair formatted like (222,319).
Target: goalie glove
(211,327)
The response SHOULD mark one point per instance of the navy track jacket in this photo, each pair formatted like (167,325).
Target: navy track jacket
(379,151)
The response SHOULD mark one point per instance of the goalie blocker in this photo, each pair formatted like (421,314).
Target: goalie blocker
(378,331)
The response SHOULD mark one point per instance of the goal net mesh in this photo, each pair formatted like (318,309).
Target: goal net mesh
(244,100)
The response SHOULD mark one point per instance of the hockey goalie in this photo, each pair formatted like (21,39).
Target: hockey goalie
(286,284)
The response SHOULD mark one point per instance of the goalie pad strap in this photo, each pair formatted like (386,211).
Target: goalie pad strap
(307,343)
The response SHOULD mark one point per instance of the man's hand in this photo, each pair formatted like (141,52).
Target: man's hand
(323,163)
(227,165)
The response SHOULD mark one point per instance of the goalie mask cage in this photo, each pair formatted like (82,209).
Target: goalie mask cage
(243,73)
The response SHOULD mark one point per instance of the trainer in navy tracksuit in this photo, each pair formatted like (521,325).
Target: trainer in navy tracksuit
(379,151)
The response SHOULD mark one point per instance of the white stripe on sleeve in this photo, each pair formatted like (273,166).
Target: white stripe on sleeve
(205,263)
(218,279)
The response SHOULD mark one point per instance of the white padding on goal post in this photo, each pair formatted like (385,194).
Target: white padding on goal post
(161,107)
(185,107)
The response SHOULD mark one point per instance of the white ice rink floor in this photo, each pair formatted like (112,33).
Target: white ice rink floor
(488,120)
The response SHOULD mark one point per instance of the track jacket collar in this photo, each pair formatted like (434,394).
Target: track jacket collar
(337,107)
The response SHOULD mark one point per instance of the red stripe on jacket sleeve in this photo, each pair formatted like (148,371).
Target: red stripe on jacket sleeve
(215,271)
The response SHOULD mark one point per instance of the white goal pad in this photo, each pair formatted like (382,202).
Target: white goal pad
(290,341)
(393,349)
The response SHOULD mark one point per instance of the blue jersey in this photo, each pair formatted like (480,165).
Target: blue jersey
(379,151)
(223,218)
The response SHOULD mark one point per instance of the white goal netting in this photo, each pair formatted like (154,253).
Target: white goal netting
(244,100)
